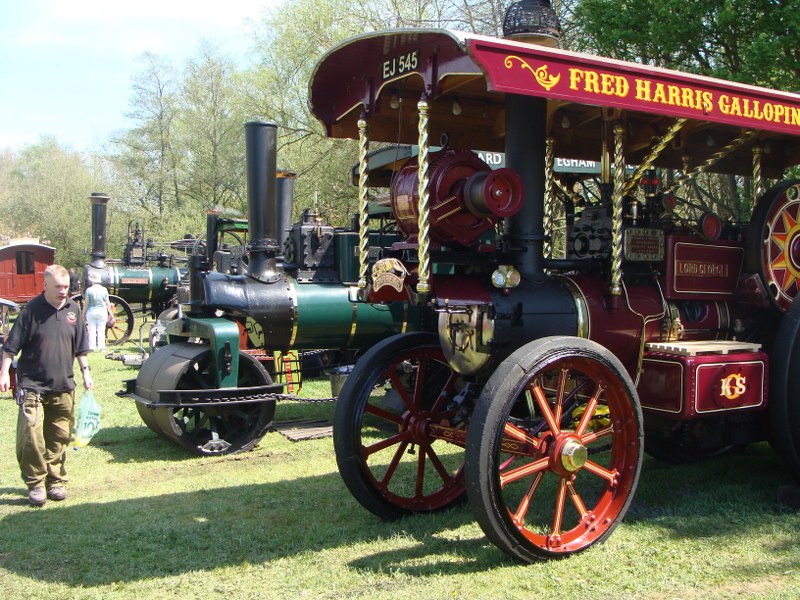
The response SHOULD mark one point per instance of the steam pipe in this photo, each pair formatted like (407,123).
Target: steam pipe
(283,217)
(99,202)
(261,154)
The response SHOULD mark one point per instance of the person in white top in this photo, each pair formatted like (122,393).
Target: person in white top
(96,309)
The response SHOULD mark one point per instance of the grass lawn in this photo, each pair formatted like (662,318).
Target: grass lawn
(146,520)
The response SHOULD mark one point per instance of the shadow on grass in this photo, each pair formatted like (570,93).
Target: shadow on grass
(138,444)
(714,496)
(171,534)
(18,497)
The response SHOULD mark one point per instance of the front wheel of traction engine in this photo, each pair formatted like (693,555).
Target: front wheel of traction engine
(392,417)
(554,449)
(202,429)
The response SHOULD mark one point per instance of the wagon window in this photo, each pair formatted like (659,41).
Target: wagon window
(25,264)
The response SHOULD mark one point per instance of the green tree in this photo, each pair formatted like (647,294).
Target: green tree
(146,157)
(44,195)
(289,43)
(210,136)
(754,41)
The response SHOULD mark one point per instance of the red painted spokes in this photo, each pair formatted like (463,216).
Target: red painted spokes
(567,456)
(410,468)
(781,247)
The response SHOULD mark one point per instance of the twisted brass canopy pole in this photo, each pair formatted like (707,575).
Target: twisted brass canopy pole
(655,152)
(738,142)
(423,213)
(363,204)
(616,211)
(549,196)
(758,177)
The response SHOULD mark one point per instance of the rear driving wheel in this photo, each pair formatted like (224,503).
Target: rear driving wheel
(398,429)
(784,401)
(554,449)
(121,330)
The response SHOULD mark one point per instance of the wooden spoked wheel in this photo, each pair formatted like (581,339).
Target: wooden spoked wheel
(554,449)
(120,332)
(395,429)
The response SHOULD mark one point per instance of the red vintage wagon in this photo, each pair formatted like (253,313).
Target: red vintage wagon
(22,265)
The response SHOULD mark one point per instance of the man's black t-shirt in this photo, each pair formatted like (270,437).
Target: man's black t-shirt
(49,340)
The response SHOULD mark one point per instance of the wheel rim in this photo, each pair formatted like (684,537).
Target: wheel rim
(205,429)
(567,456)
(405,464)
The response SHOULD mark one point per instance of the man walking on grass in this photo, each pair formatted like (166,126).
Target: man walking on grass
(50,334)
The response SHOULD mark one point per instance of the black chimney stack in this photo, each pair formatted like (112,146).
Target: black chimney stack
(99,202)
(533,22)
(261,153)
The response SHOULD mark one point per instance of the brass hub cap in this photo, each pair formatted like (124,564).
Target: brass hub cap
(573,455)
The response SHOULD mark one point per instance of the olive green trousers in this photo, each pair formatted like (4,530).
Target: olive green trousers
(44,427)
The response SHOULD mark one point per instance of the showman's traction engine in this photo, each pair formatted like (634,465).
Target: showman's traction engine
(527,333)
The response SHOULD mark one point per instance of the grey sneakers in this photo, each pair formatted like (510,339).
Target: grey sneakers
(36,496)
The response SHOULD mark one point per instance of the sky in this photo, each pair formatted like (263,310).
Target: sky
(66,66)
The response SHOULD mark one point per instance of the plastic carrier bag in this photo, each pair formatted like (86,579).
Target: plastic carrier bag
(88,421)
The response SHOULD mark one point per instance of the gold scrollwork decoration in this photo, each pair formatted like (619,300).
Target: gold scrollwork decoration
(543,78)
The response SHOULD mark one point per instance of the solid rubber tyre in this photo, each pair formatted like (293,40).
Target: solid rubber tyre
(784,401)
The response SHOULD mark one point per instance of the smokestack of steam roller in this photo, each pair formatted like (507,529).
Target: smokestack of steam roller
(99,206)
(261,151)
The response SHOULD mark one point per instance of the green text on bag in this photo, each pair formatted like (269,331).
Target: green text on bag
(88,420)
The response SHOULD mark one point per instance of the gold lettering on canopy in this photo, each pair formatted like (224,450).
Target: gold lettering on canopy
(639,90)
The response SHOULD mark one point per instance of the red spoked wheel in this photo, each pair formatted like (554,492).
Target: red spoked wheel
(396,432)
(773,248)
(554,449)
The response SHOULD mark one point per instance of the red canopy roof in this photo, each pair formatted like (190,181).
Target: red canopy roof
(466,78)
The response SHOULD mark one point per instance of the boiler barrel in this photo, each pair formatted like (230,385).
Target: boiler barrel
(137,285)
(327,318)
(308,315)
